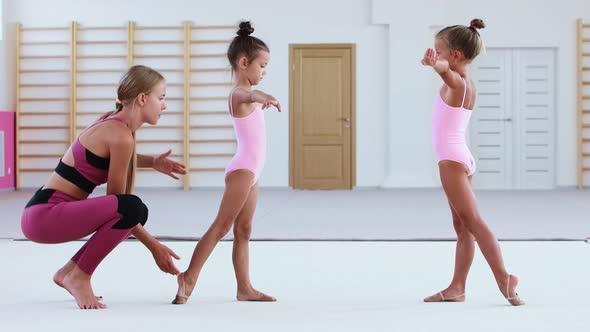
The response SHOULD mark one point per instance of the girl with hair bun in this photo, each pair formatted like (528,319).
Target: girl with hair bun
(454,49)
(248,57)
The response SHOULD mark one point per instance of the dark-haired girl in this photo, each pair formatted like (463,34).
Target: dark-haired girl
(248,57)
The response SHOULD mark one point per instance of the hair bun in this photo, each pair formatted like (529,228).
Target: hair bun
(246,29)
(477,23)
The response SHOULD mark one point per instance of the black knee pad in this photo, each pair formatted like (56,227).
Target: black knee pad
(133,212)
(143,220)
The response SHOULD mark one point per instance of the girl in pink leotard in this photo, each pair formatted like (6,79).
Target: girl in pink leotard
(251,136)
(248,57)
(454,49)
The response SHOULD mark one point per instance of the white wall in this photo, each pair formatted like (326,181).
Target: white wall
(525,23)
(394,92)
(278,24)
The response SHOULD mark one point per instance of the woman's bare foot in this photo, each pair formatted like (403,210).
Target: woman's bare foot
(252,294)
(450,294)
(59,276)
(185,289)
(508,289)
(77,282)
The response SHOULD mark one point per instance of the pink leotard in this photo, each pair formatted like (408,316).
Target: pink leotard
(251,138)
(448,132)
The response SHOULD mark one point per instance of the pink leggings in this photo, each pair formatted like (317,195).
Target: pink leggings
(54,217)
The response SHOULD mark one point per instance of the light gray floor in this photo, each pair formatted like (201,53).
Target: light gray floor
(362,214)
(321,286)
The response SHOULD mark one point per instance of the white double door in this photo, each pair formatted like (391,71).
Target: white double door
(512,130)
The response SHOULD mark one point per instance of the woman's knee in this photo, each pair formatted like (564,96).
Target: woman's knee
(133,211)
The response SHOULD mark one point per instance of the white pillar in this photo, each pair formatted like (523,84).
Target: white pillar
(411,89)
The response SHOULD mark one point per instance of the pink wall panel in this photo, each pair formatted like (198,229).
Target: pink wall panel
(7,177)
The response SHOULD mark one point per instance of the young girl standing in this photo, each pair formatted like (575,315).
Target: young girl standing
(248,57)
(454,49)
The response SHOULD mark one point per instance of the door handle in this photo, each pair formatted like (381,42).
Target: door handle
(346,122)
(498,120)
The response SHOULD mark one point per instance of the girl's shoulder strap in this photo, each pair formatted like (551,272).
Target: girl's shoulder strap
(464,91)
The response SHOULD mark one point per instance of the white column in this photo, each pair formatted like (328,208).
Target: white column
(411,89)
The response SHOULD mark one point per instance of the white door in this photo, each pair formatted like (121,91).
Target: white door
(491,121)
(511,135)
(536,109)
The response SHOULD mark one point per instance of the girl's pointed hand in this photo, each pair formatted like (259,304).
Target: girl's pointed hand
(429,58)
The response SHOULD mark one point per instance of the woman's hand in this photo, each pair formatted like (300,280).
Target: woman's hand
(163,257)
(168,166)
